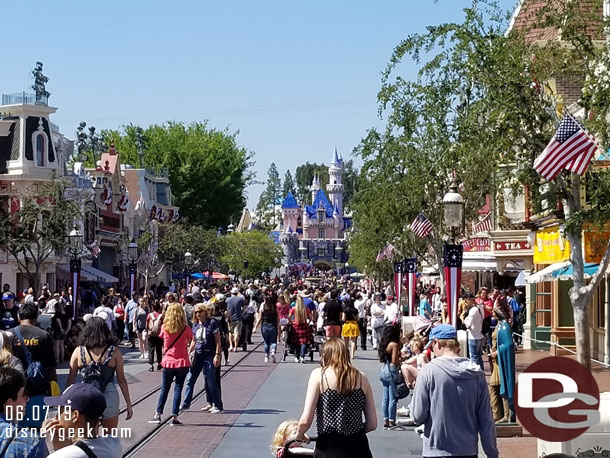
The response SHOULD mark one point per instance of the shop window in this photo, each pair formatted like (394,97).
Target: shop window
(543,303)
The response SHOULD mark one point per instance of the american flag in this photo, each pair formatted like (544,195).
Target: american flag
(483,226)
(421,226)
(572,148)
(389,250)
(380,256)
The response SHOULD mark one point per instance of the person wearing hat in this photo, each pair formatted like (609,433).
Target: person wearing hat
(81,407)
(235,306)
(8,312)
(453,424)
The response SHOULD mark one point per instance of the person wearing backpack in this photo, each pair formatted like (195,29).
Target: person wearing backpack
(154,320)
(98,360)
(176,335)
(34,347)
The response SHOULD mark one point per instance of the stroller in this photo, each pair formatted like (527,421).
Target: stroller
(290,451)
(423,325)
(292,346)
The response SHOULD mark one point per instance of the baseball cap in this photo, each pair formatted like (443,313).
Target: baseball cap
(7,296)
(220,297)
(235,290)
(83,397)
(442,331)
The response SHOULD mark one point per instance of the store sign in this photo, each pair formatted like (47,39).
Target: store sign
(595,245)
(512,245)
(551,246)
(476,245)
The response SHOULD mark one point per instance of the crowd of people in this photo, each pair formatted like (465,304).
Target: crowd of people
(191,332)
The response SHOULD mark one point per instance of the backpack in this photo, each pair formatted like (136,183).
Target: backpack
(36,373)
(155,325)
(92,371)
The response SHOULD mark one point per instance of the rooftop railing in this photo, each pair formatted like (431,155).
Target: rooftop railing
(24,98)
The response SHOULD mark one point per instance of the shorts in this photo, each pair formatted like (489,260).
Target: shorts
(350,329)
(332,331)
(111,395)
(235,327)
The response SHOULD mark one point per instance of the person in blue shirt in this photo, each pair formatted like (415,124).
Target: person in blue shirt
(516,308)
(425,309)
(15,442)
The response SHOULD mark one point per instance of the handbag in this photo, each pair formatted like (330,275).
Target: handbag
(402,390)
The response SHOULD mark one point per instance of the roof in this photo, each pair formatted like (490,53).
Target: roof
(322,201)
(275,236)
(290,201)
(109,162)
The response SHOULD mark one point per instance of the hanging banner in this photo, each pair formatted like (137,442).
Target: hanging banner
(452,256)
(398,281)
(551,246)
(410,269)
(133,269)
(595,245)
(75,266)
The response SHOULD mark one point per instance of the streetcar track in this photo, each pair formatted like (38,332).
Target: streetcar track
(139,444)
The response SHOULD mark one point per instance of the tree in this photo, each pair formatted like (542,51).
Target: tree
(266,209)
(255,247)
(38,231)
(289,184)
(350,183)
(304,177)
(208,171)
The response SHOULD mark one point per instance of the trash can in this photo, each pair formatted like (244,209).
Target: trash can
(595,441)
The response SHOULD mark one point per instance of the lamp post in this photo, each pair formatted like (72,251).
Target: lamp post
(453,214)
(132,252)
(75,242)
(188,261)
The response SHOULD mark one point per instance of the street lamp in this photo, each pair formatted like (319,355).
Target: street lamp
(75,242)
(188,260)
(453,206)
(132,252)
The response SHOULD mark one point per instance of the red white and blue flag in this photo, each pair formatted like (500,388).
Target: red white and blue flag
(389,250)
(380,256)
(483,226)
(572,148)
(410,269)
(398,280)
(452,255)
(421,226)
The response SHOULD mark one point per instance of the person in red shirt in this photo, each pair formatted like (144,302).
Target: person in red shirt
(176,335)
(487,304)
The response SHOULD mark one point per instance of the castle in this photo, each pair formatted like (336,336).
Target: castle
(315,234)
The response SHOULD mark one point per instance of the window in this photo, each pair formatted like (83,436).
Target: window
(321,233)
(40,150)
(321,252)
(320,215)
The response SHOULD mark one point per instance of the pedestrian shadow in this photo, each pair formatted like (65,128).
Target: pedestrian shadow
(255,411)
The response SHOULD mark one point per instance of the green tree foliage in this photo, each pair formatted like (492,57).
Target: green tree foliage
(256,247)
(267,215)
(208,170)
(289,184)
(350,183)
(304,176)
(38,231)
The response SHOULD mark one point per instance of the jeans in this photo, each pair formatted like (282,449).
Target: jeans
(363,336)
(203,363)
(388,405)
(217,379)
(155,345)
(269,333)
(303,350)
(475,351)
(169,374)
(248,320)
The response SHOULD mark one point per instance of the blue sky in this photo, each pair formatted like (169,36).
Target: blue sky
(295,78)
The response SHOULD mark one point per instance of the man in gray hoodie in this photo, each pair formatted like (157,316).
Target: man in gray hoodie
(451,400)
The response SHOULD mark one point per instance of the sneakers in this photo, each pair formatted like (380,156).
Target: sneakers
(184,408)
(156,419)
(215,410)
(159,367)
(403,412)
(302,360)
(273,358)
(151,369)
(207,408)
(175,421)
(296,359)
(266,359)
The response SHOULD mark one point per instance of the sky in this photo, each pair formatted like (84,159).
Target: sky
(295,78)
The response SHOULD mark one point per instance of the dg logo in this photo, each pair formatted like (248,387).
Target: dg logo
(557,399)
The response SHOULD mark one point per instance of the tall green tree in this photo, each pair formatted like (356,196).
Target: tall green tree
(37,232)
(289,184)
(304,176)
(208,170)
(255,247)
(267,214)
(350,183)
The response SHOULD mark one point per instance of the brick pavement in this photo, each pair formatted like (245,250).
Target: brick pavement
(202,432)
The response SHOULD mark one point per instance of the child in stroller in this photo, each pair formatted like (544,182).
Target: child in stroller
(284,445)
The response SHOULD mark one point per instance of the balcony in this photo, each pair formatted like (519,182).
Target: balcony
(24,98)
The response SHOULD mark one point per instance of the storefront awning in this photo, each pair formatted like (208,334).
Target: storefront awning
(560,271)
(94,274)
(479,265)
